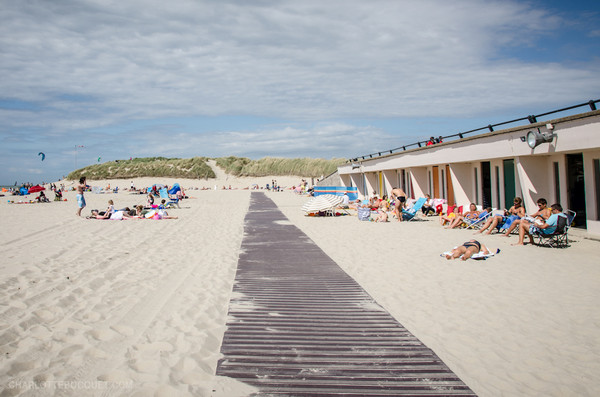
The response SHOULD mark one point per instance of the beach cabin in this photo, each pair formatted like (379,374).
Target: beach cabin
(557,159)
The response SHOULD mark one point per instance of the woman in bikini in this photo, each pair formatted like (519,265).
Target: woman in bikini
(467,250)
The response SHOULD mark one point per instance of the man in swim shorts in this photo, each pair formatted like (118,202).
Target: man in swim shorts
(80,199)
(399,198)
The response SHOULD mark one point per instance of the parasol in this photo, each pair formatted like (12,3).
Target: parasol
(325,202)
(36,188)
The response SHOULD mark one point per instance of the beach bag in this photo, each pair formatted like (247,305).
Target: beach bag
(364,213)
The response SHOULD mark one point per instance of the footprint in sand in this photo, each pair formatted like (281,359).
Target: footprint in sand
(103,334)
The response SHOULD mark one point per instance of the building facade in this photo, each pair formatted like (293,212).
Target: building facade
(491,169)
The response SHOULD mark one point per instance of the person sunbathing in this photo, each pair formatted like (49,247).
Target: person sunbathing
(470,215)
(428,206)
(105,214)
(451,217)
(160,214)
(543,213)
(150,202)
(467,250)
(41,198)
(382,216)
(548,227)
(384,204)
(513,213)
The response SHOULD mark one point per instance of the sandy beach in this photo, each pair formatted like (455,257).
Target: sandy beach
(138,307)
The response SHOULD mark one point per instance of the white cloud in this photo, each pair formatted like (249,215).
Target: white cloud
(296,59)
(323,140)
(83,65)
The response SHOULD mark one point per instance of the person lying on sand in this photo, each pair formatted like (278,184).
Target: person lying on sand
(467,250)
(104,214)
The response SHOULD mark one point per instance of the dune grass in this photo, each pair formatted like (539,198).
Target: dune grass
(192,168)
(241,166)
(197,168)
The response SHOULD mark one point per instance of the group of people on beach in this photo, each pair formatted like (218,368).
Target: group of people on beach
(396,202)
(544,220)
(149,211)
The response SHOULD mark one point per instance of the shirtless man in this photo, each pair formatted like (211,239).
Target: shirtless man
(399,198)
(539,217)
(80,199)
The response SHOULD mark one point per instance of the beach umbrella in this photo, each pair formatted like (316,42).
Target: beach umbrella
(321,203)
(36,188)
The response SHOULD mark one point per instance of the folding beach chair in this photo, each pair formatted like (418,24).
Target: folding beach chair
(477,222)
(171,202)
(409,215)
(560,237)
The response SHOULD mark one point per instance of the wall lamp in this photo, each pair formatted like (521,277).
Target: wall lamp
(355,166)
(536,138)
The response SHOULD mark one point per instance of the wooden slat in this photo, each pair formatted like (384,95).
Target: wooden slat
(299,325)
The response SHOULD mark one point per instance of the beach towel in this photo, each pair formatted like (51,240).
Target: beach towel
(477,256)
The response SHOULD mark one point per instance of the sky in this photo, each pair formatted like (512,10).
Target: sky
(88,81)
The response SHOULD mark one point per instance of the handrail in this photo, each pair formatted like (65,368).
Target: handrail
(490,127)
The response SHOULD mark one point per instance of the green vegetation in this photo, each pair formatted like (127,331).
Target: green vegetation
(241,166)
(194,168)
(197,168)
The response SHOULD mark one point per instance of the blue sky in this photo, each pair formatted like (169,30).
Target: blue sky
(276,78)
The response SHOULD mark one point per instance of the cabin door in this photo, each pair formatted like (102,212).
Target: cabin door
(451,201)
(436,182)
(486,184)
(509,182)
(576,188)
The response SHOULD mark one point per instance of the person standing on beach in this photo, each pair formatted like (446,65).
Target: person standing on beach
(399,197)
(80,199)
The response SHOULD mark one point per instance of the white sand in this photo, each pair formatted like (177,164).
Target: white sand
(523,323)
(142,304)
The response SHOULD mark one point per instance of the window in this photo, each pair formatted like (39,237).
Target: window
(597,186)
(444,184)
(498,186)
(430,181)
(403,181)
(557,181)
(476,186)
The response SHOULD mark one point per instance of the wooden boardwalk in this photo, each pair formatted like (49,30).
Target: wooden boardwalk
(300,326)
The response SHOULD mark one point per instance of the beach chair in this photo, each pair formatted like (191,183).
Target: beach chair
(476,223)
(560,237)
(171,202)
(410,214)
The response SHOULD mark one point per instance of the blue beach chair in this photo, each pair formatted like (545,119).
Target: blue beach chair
(171,202)
(477,222)
(409,215)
